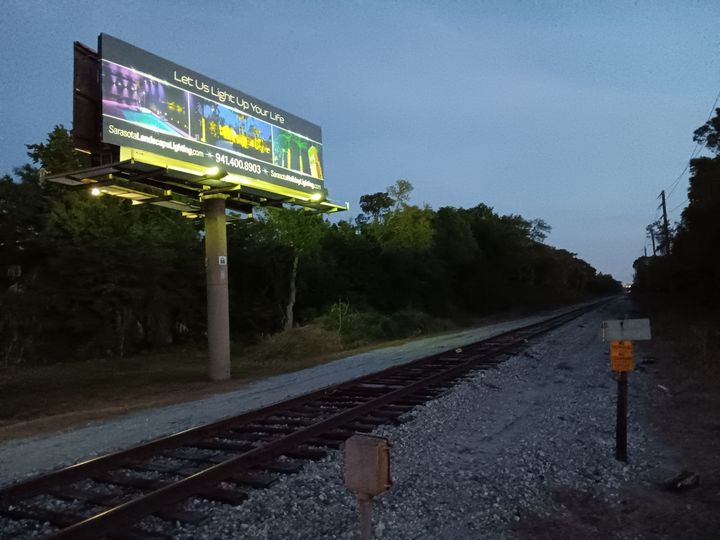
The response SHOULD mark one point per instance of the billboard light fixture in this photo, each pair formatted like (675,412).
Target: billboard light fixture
(316,197)
(95,192)
(215,173)
(186,170)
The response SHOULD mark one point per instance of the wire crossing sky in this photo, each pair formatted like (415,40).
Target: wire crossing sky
(575,112)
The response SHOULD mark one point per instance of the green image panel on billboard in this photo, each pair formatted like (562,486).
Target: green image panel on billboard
(297,153)
(152,104)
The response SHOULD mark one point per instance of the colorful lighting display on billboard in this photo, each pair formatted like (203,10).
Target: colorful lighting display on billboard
(154,105)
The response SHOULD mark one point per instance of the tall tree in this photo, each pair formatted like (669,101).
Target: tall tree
(539,230)
(300,231)
(399,192)
(376,205)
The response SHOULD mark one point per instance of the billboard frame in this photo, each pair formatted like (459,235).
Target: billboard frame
(147,177)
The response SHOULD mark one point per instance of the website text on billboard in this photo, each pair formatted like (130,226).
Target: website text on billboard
(154,105)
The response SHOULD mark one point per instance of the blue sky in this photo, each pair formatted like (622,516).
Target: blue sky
(575,112)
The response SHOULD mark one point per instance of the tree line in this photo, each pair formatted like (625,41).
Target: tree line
(89,277)
(685,268)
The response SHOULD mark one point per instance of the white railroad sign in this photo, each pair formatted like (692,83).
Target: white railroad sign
(626,330)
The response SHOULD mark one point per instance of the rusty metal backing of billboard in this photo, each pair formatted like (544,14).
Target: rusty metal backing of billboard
(86,99)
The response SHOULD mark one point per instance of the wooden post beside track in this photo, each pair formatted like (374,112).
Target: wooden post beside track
(621,420)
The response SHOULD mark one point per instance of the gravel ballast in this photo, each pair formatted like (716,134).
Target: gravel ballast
(502,454)
(484,460)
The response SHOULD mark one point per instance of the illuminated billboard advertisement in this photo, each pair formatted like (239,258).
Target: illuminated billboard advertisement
(154,105)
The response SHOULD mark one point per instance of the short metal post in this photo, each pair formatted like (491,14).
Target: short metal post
(621,421)
(367,473)
(365,515)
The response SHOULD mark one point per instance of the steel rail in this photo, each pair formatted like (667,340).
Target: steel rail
(128,513)
(144,450)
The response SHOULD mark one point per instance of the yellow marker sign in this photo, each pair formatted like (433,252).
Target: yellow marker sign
(621,355)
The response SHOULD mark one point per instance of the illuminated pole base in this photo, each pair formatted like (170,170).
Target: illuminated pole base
(218,328)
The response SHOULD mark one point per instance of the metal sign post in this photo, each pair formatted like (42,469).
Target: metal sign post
(621,361)
(621,419)
(620,334)
(367,473)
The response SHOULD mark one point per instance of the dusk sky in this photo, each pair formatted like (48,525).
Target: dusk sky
(575,112)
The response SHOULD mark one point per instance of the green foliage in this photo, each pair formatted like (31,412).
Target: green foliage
(358,327)
(539,230)
(124,265)
(258,279)
(406,229)
(58,154)
(689,271)
(453,237)
(91,276)
(376,205)
(709,133)
(301,232)
(296,229)
(86,277)
(354,327)
(399,193)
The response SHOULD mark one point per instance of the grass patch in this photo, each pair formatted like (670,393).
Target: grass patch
(75,392)
(291,350)
(33,391)
(39,399)
(356,327)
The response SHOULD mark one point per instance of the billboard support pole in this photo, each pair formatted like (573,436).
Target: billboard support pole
(218,329)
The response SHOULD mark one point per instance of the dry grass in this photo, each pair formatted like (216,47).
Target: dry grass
(36,399)
(693,336)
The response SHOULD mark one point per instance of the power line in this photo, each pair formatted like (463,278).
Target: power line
(695,152)
(665,193)
(679,205)
(676,183)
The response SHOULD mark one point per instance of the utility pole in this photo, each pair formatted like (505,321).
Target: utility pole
(645,248)
(651,230)
(666,227)
(652,238)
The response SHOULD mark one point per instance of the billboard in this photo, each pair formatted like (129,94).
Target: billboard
(154,105)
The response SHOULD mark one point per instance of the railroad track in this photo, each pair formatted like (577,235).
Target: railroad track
(108,496)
